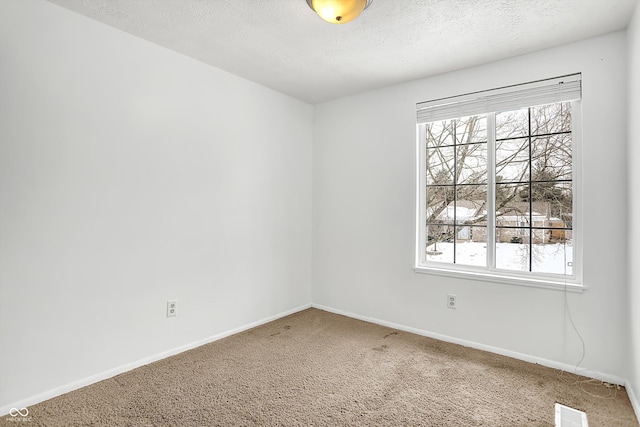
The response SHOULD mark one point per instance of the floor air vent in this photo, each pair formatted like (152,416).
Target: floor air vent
(569,417)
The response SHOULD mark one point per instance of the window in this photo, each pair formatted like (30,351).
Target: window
(498,184)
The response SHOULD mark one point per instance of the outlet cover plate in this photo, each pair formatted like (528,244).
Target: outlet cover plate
(172,308)
(451,301)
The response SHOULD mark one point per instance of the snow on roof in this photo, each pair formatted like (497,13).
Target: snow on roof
(470,210)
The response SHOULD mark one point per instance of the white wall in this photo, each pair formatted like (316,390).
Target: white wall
(130,175)
(633,49)
(364,209)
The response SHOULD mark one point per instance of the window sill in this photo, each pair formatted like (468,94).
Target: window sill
(558,285)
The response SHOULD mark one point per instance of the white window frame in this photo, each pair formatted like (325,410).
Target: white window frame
(490,273)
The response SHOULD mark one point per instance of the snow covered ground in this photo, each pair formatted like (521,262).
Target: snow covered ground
(550,258)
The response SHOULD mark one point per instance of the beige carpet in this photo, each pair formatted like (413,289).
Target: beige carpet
(315,368)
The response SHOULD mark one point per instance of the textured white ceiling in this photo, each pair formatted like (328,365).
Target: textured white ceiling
(283,45)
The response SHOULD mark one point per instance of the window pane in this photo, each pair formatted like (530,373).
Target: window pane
(512,160)
(472,163)
(510,254)
(551,157)
(512,124)
(440,243)
(470,204)
(471,129)
(556,258)
(553,199)
(471,245)
(440,204)
(440,133)
(551,118)
(440,165)
(512,206)
(562,207)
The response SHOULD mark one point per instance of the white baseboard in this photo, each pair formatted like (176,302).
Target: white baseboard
(633,398)
(41,397)
(612,379)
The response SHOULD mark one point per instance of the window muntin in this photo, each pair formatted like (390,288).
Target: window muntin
(498,193)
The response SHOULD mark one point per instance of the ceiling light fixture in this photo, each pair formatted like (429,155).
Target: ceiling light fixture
(338,11)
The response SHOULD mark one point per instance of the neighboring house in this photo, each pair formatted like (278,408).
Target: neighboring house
(513,222)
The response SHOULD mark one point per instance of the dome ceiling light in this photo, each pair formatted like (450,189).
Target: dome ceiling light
(338,11)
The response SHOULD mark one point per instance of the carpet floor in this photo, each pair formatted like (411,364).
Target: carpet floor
(315,368)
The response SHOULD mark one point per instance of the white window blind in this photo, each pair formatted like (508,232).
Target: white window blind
(560,89)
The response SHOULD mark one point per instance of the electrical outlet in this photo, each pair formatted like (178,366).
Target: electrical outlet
(172,308)
(451,301)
